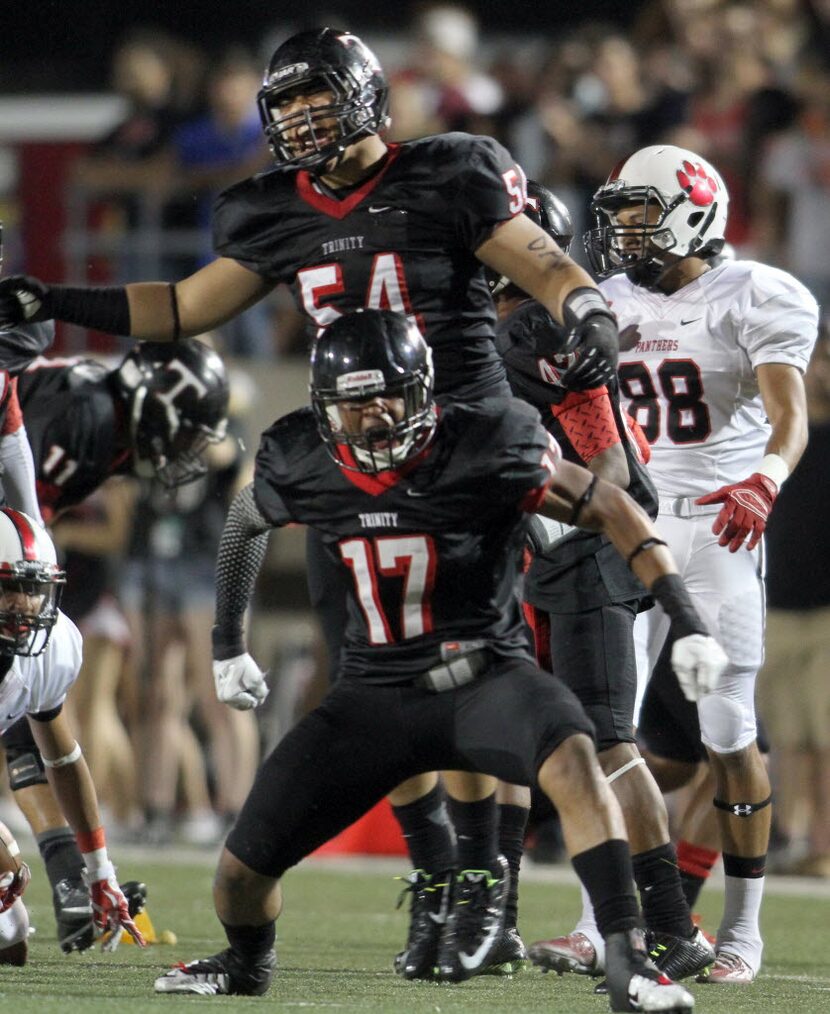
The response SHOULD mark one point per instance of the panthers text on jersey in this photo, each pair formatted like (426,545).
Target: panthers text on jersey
(432,550)
(40,683)
(403,240)
(689,380)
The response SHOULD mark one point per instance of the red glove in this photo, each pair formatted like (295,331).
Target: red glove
(110,908)
(746,507)
(12,885)
(111,911)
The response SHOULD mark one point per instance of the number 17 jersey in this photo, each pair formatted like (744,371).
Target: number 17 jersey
(690,381)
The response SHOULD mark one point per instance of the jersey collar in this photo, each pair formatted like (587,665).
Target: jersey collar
(333,207)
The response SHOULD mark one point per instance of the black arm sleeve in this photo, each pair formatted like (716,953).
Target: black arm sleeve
(241,552)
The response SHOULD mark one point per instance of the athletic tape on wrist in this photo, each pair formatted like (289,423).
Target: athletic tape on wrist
(60,762)
(774,467)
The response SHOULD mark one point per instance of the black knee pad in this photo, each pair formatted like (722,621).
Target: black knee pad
(23,758)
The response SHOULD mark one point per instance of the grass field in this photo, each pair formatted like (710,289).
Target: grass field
(340,931)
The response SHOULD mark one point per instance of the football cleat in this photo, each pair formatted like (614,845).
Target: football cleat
(729,969)
(73,914)
(428,907)
(509,956)
(680,958)
(571,953)
(635,984)
(223,974)
(475,923)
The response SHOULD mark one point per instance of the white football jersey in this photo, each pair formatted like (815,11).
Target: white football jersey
(41,683)
(690,379)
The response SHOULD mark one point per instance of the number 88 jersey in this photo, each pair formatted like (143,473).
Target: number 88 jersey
(690,378)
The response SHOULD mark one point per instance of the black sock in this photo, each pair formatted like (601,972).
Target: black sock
(61,855)
(476,833)
(605,870)
(665,909)
(512,824)
(251,941)
(426,828)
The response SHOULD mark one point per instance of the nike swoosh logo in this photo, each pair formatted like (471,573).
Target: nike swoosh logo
(683,323)
(417,492)
(377,210)
(474,960)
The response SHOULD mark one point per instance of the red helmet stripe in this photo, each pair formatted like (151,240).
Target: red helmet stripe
(615,172)
(24,532)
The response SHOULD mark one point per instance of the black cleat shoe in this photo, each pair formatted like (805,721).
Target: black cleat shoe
(224,974)
(635,984)
(73,914)
(509,956)
(475,924)
(680,958)
(428,907)
(136,894)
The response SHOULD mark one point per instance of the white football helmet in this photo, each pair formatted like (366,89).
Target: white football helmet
(30,584)
(684,203)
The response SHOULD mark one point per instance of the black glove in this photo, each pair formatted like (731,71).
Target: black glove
(23,300)
(595,343)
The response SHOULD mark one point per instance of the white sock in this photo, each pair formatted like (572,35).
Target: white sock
(587,925)
(740,931)
(14,925)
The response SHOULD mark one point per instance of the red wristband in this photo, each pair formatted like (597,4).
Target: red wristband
(91,841)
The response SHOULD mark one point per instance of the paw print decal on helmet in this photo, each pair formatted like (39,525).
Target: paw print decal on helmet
(700,187)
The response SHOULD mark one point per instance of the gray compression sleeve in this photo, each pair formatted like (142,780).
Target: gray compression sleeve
(241,552)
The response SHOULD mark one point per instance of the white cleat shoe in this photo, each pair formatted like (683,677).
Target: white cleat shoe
(571,953)
(729,969)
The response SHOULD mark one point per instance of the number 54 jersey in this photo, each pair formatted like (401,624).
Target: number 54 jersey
(690,378)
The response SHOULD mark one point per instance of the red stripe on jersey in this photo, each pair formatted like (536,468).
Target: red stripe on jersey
(539,625)
(25,532)
(587,419)
(330,205)
(13,417)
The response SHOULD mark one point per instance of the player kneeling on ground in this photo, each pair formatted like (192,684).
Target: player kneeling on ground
(40,655)
(426,511)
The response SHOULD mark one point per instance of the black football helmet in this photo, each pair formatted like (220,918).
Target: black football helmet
(362,355)
(547,211)
(323,59)
(176,395)
(30,585)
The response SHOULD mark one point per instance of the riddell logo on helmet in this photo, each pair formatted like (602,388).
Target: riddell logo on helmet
(700,187)
(292,70)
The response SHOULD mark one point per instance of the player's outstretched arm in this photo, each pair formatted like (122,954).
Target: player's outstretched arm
(239,681)
(158,311)
(579,498)
(69,776)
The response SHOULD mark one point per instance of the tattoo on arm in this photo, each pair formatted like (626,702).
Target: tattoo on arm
(544,250)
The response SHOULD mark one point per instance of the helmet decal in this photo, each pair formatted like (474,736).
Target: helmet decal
(698,184)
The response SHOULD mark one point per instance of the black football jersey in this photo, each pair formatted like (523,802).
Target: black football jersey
(432,552)
(403,240)
(71,421)
(583,571)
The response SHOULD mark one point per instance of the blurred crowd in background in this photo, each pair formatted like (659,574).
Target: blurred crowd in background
(747,85)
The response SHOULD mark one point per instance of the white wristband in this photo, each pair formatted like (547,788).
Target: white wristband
(98,864)
(774,467)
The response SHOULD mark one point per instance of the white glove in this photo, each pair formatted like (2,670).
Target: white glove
(239,682)
(698,661)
